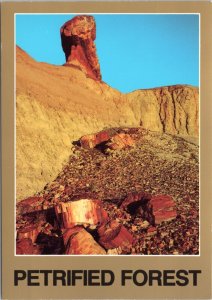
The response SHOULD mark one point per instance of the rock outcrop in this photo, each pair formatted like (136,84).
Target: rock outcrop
(77,36)
(170,109)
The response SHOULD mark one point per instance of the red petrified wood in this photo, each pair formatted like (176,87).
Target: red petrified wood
(120,141)
(25,246)
(30,204)
(29,232)
(135,200)
(86,212)
(112,141)
(92,140)
(79,241)
(114,235)
(159,209)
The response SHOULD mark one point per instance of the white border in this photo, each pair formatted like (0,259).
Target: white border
(105,255)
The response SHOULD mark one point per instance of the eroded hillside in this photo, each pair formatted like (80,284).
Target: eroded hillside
(58,104)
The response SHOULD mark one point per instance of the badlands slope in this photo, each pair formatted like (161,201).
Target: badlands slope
(56,105)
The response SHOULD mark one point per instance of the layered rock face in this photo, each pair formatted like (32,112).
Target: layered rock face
(77,36)
(171,109)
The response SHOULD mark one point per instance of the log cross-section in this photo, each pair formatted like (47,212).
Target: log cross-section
(84,212)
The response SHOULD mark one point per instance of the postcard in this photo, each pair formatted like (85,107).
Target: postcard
(105,162)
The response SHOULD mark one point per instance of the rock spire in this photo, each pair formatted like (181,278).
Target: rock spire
(77,36)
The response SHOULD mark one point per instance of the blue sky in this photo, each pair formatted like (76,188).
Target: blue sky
(135,50)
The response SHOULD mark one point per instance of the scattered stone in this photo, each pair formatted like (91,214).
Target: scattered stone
(144,225)
(127,184)
(151,231)
(115,251)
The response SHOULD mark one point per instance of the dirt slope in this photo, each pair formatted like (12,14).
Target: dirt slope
(124,179)
(55,105)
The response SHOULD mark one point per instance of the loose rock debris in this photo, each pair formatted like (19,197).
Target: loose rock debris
(139,197)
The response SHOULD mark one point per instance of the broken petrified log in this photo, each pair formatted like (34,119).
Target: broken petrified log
(115,235)
(25,246)
(77,36)
(155,209)
(135,201)
(84,212)
(120,141)
(78,241)
(160,208)
(90,141)
(29,204)
(31,224)
(108,140)
(29,232)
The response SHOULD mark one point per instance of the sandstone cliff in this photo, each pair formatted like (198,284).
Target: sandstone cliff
(56,105)
(171,109)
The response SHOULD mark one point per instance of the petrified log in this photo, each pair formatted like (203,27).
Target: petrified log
(155,209)
(120,141)
(30,204)
(88,141)
(135,200)
(84,212)
(29,232)
(78,37)
(68,233)
(115,235)
(79,241)
(92,140)
(25,246)
(159,209)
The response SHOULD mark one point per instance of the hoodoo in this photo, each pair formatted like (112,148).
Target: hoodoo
(77,36)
